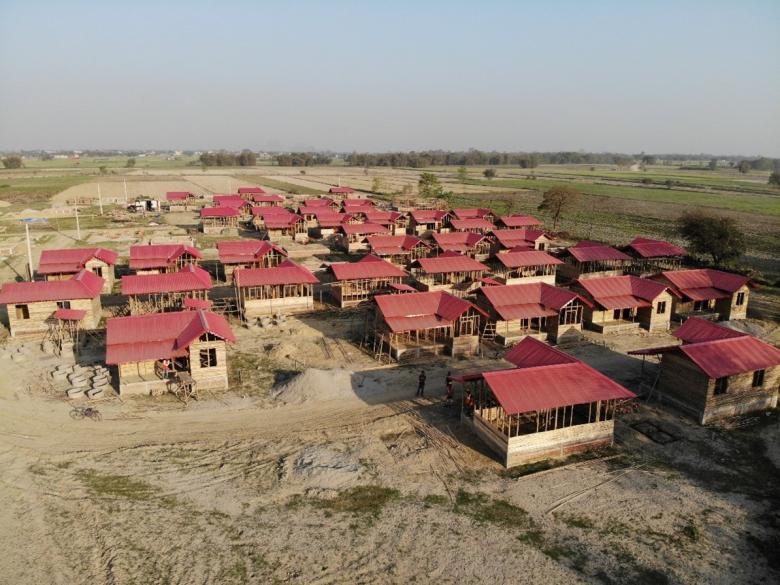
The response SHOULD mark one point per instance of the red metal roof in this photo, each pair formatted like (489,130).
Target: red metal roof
(472,213)
(270,211)
(230,201)
(647,248)
(586,251)
(450,263)
(471,224)
(511,238)
(530,352)
(263,198)
(219,212)
(422,310)
(518,220)
(159,255)
(367,267)
(247,190)
(70,314)
(83,285)
(403,288)
(704,283)
(189,278)
(393,244)
(71,260)
(619,292)
(383,217)
(160,335)
(363,228)
(428,215)
(729,356)
(287,272)
(246,251)
(527,258)
(696,329)
(458,241)
(488,281)
(341,190)
(360,203)
(552,386)
(329,219)
(524,301)
(178,195)
(191,303)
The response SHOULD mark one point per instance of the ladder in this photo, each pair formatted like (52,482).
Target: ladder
(489,332)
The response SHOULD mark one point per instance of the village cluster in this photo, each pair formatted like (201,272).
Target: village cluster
(433,282)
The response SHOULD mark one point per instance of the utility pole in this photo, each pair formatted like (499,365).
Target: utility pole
(125,184)
(29,249)
(100,200)
(78,227)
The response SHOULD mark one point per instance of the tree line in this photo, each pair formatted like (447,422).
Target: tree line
(246,158)
(302,159)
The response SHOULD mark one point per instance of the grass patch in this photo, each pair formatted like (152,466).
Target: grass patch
(575,521)
(367,501)
(484,510)
(432,500)
(32,191)
(121,487)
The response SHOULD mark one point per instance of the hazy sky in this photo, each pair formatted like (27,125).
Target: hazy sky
(629,76)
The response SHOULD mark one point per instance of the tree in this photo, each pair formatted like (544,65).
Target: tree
(774,179)
(714,235)
(130,163)
(648,159)
(463,174)
(377,184)
(744,167)
(13,162)
(557,200)
(103,169)
(489,173)
(247,158)
(429,186)
(713,164)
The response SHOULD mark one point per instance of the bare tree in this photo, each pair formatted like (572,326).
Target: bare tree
(557,200)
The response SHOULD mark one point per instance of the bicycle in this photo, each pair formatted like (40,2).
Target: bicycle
(79,413)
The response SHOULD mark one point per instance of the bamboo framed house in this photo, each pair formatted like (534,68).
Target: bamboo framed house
(449,271)
(64,264)
(357,282)
(154,293)
(282,289)
(161,258)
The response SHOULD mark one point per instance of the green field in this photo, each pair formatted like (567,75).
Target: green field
(30,191)
(120,162)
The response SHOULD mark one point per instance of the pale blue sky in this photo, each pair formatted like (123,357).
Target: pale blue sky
(556,75)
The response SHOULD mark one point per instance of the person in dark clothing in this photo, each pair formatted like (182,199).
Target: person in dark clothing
(421,384)
(468,404)
(450,391)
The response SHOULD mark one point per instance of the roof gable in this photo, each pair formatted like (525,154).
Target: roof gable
(696,329)
(83,285)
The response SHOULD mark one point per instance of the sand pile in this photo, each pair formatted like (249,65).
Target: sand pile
(316,384)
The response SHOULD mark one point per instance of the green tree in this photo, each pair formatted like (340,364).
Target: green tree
(713,235)
(648,159)
(377,185)
(13,162)
(463,175)
(103,169)
(558,200)
(713,164)
(489,173)
(429,186)
(247,158)
(774,179)
(130,163)
(744,167)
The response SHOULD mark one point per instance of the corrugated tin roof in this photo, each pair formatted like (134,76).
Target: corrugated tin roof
(70,314)
(191,303)
(450,263)
(591,252)
(618,292)
(359,203)
(458,241)
(696,329)
(178,195)
(471,224)
(705,283)
(219,212)
(71,260)
(647,248)
(287,272)
(367,267)
(247,190)
(266,198)
(527,258)
(363,228)
(428,215)
(229,201)
(246,251)
(519,220)
(319,202)
(159,255)
(83,285)
(730,356)
(522,301)
(422,310)
(471,213)
(552,386)
(189,278)
(160,335)
(530,352)
(511,238)
(266,212)
(393,244)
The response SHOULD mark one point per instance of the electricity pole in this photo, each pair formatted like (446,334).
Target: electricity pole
(100,200)
(78,227)
(29,249)
(125,183)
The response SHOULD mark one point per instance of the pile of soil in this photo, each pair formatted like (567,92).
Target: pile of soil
(317,384)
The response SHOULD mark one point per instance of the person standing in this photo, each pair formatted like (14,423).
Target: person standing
(421,384)
(448,397)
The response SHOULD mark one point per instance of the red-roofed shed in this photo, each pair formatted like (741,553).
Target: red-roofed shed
(706,291)
(157,258)
(153,293)
(63,264)
(400,250)
(476,245)
(249,254)
(448,271)
(282,289)
(357,282)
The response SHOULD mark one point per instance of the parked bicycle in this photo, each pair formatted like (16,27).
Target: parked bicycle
(81,412)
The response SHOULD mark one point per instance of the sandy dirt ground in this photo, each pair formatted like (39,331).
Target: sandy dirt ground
(345,478)
(319,466)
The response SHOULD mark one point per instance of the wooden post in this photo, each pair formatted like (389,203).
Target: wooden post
(29,250)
